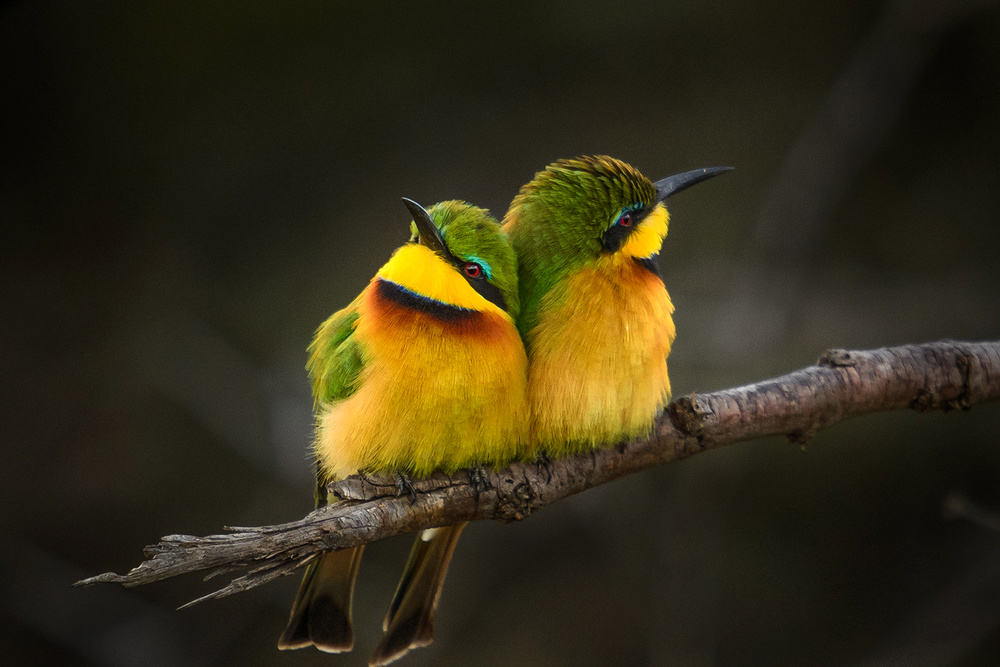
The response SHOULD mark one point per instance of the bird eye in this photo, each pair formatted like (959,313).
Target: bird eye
(473,270)
(625,220)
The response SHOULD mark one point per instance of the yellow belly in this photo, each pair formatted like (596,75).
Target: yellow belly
(435,393)
(598,370)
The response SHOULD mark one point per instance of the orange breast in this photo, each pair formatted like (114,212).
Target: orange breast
(441,388)
(598,370)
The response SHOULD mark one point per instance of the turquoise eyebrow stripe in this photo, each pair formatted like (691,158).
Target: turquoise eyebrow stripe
(635,206)
(480,262)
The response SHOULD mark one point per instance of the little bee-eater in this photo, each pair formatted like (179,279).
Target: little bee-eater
(423,371)
(595,315)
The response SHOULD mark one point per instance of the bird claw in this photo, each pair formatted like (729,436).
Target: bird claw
(405,485)
(543,462)
(478,480)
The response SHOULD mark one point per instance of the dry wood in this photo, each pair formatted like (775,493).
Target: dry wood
(944,375)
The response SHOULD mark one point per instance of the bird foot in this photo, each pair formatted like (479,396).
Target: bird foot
(405,485)
(543,462)
(478,480)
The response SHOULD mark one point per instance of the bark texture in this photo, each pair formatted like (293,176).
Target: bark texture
(945,375)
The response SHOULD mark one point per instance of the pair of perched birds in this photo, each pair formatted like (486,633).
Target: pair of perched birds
(479,343)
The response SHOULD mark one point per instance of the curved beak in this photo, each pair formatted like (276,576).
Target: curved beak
(429,234)
(671,185)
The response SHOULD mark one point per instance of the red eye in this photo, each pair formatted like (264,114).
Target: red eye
(625,220)
(473,270)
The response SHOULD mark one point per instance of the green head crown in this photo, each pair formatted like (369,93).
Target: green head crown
(578,210)
(569,206)
(470,239)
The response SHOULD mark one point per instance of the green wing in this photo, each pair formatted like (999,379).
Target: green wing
(335,358)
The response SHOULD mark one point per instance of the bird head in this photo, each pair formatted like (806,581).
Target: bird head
(577,211)
(475,249)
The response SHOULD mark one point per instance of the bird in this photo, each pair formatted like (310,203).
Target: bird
(423,371)
(596,318)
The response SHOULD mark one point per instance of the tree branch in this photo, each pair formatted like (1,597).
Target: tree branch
(944,375)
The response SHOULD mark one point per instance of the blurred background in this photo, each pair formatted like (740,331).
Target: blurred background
(188,189)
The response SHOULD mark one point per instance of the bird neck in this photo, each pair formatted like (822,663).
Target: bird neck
(549,253)
(417,277)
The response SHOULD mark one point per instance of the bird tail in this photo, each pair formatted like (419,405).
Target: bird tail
(410,621)
(321,613)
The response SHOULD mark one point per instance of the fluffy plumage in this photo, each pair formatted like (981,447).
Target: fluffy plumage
(596,318)
(424,370)
(442,382)
(421,371)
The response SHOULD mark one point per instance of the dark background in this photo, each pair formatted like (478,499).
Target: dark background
(188,189)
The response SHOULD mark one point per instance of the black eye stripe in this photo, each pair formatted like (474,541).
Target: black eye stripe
(615,235)
(488,291)
(483,287)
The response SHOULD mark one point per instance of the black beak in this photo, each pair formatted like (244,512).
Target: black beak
(671,185)
(430,235)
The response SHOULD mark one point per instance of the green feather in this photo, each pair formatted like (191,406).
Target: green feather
(335,358)
(473,235)
(565,210)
